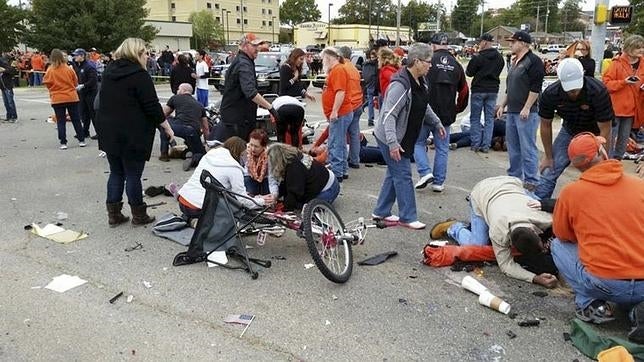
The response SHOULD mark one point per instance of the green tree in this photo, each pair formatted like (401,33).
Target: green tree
(206,31)
(463,16)
(293,12)
(570,16)
(419,12)
(104,24)
(383,12)
(637,24)
(12,25)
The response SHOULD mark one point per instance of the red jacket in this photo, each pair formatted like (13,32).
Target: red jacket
(385,75)
(627,99)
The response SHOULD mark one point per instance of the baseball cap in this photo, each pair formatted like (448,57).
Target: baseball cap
(252,38)
(583,148)
(79,51)
(400,52)
(571,74)
(521,36)
(486,37)
(440,39)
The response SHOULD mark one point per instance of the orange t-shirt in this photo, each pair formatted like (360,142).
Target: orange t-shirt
(355,90)
(61,83)
(337,80)
(37,63)
(607,227)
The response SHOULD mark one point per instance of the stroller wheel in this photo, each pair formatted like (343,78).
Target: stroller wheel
(254,276)
(183,259)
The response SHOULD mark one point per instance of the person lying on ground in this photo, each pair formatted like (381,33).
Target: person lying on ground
(598,246)
(500,213)
(302,178)
(463,139)
(223,163)
(368,154)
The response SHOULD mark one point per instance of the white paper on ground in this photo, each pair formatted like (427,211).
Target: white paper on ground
(64,282)
(217,256)
(57,234)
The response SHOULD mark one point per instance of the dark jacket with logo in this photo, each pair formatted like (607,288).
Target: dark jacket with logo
(87,76)
(6,77)
(446,80)
(240,87)
(129,111)
(485,67)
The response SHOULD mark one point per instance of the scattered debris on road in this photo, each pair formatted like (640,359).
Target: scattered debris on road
(64,282)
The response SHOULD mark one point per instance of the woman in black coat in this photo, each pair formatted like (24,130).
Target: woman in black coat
(127,118)
(291,116)
(182,73)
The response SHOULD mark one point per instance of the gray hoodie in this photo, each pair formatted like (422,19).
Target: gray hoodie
(394,113)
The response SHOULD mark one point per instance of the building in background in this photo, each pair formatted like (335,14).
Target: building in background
(176,35)
(236,16)
(357,36)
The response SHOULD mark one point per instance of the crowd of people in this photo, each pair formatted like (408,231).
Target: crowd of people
(587,240)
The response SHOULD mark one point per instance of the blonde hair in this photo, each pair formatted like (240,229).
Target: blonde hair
(387,56)
(633,42)
(131,49)
(279,156)
(57,58)
(572,48)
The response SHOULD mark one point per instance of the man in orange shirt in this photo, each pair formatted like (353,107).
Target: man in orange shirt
(355,94)
(38,67)
(338,109)
(598,247)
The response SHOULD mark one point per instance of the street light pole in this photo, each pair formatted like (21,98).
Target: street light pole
(227,28)
(482,12)
(547,14)
(273,24)
(223,26)
(328,33)
(241,10)
(398,24)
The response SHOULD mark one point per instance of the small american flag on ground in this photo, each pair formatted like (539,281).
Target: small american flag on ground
(244,319)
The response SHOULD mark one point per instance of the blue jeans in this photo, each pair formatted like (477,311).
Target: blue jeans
(61,121)
(621,133)
(256,188)
(549,176)
(371,112)
(9,103)
(462,139)
(477,235)
(397,185)
(338,144)
(354,137)
(521,137)
(588,287)
(482,139)
(37,78)
(440,156)
(331,193)
(125,174)
(189,134)
(202,97)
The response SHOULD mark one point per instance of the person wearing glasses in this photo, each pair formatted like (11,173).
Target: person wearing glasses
(404,111)
(580,49)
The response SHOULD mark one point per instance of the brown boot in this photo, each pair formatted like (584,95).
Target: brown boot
(164,157)
(114,215)
(140,215)
(439,231)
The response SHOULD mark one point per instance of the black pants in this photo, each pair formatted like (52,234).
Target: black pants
(290,120)
(223,131)
(87,110)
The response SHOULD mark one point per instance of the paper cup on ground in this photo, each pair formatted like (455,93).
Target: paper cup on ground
(473,285)
(490,300)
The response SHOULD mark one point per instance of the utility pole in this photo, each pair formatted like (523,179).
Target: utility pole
(482,12)
(398,24)
(241,10)
(547,14)
(438,16)
(599,32)
(537,26)
(370,1)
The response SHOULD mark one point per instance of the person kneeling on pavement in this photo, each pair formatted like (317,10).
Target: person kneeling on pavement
(503,213)
(223,164)
(189,122)
(598,246)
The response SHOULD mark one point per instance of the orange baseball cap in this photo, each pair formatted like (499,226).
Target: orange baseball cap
(583,148)
(252,38)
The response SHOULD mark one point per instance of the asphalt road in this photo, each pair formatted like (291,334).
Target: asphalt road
(400,310)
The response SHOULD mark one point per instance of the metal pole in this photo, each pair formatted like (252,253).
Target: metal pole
(273,24)
(482,12)
(241,10)
(598,35)
(438,16)
(227,28)
(547,14)
(328,33)
(537,26)
(370,1)
(398,25)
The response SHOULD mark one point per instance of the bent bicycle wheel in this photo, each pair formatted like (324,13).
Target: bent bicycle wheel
(324,230)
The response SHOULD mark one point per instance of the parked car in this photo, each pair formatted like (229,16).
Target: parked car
(267,70)
(553,48)
(218,71)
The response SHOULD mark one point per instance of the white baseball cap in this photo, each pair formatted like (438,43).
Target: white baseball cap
(571,74)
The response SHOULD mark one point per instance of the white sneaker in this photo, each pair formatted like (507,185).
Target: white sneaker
(63,147)
(422,183)
(82,144)
(438,188)
(390,218)
(416,225)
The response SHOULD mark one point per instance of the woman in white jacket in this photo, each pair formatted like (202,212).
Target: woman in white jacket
(223,163)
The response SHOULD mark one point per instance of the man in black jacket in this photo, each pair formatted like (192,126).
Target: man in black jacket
(370,76)
(7,73)
(485,67)
(240,97)
(87,88)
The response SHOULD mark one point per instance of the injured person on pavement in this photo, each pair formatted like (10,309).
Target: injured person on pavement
(503,214)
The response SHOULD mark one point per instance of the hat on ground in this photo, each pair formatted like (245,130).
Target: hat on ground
(79,51)
(486,37)
(252,38)
(571,74)
(440,39)
(583,148)
(521,36)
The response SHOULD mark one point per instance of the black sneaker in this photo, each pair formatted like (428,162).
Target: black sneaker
(637,332)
